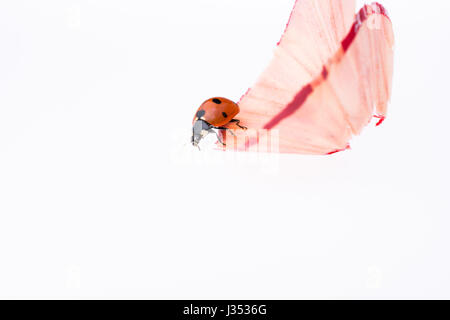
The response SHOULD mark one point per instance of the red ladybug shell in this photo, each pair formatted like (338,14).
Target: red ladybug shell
(217,111)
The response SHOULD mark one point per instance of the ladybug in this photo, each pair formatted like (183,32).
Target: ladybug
(214,113)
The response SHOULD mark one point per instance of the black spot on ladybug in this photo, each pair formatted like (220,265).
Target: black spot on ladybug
(200,113)
(217,101)
(224,114)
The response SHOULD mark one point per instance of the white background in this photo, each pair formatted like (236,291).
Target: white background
(101,198)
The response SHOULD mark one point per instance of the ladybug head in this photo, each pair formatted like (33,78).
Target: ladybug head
(199,130)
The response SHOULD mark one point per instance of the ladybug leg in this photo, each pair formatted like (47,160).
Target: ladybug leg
(226,129)
(237,121)
(218,137)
